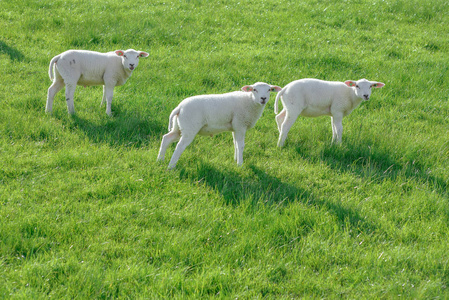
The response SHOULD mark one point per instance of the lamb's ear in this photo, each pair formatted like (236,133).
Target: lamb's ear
(143,54)
(247,88)
(275,88)
(350,83)
(377,84)
(119,52)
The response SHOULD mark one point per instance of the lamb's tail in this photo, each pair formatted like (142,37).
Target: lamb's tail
(173,116)
(277,99)
(50,68)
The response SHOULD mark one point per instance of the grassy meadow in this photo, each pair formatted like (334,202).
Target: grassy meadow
(87,212)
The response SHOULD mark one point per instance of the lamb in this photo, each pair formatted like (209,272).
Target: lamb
(211,114)
(87,68)
(313,98)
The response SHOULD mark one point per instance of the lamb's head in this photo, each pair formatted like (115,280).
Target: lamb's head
(261,91)
(130,58)
(362,87)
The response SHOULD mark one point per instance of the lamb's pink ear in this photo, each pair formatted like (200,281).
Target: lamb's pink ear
(119,52)
(275,88)
(247,88)
(143,54)
(377,84)
(350,83)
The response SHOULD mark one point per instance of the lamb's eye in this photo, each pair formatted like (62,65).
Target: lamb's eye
(357,86)
(255,90)
(124,56)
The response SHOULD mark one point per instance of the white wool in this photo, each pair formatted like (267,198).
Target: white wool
(212,114)
(86,68)
(314,97)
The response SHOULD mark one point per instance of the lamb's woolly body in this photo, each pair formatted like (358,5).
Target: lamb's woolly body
(211,114)
(318,97)
(236,109)
(313,97)
(92,66)
(87,68)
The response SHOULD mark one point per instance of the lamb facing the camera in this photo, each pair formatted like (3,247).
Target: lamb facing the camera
(211,114)
(86,68)
(314,97)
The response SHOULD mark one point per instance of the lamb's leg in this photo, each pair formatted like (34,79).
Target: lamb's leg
(65,71)
(280,119)
(239,141)
(52,90)
(103,100)
(337,128)
(235,146)
(169,138)
(289,120)
(108,92)
(180,147)
(69,93)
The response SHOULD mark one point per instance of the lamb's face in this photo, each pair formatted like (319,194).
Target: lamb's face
(130,58)
(261,91)
(363,87)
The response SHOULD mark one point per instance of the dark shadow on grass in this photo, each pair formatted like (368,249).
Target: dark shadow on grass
(123,129)
(14,54)
(264,188)
(375,164)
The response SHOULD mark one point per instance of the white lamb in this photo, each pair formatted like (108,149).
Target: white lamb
(86,68)
(211,114)
(313,98)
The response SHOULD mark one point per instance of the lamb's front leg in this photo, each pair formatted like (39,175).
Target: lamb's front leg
(239,142)
(103,100)
(108,92)
(235,146)
(337,128)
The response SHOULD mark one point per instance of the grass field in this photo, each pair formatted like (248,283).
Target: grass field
(87,212)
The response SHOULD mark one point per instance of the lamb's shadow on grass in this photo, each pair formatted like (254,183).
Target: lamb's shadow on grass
(14,54)
(123,129)
(261,187)
(375,164)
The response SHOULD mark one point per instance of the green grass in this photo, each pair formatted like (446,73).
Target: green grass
(87,212)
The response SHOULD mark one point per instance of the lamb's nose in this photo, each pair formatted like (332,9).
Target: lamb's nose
(263,98)
(366,97)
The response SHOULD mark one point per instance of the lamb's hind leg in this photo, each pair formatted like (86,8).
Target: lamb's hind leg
(180,147)
(69,94)
(289,120)
(280,119)
(70,75)
(169,138)
(56,86)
